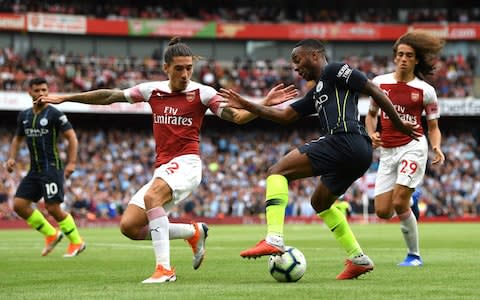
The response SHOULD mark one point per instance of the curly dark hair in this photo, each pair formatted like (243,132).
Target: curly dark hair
(427,48)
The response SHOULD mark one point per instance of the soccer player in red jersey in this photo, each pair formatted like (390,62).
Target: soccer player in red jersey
(178,107)
(403,160)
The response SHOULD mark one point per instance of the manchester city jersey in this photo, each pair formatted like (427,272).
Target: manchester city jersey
(42,132)
(335,100)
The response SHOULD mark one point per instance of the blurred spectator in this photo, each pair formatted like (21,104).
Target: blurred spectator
(250,11)
(113,163)
(77,72)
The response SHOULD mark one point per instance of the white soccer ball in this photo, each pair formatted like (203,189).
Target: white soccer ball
(288,267)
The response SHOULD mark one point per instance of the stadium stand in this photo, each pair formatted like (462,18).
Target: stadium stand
(256,11)
(114,162)
(68,72)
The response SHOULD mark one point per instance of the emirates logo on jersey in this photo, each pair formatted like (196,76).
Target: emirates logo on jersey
(190,96)
(415,96)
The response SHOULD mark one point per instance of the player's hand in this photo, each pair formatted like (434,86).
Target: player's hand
(69,169)
(10,165)
(49,99)
(376,140)
(439,156)
(279,94)
(231,98)
(410,129)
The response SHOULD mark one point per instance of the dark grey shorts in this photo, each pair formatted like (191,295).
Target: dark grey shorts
(48,184)
(339,159)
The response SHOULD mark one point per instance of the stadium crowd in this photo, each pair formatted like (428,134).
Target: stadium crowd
(114,163)
(76,72)
(251,11)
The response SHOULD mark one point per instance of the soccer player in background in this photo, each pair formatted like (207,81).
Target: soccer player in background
(178,106)
(403,160)
(42,126)
(340,157)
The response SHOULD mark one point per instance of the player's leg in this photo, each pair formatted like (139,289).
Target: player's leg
(68,227)
(172,183)
(385,209)
(292,166)
(384,184)
(183,182)
(53,194)
(134,222)
(384,205)
(357,263)
(408,225)
(37,221)
(343,206)
(410,172)
(340,162)
(155,198)
(30,191)
(134,225)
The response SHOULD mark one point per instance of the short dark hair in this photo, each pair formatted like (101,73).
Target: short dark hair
(37,81)
(176,48)
(312,44)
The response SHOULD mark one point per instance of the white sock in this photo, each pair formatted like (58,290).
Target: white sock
(409,228)
(175,231)
(158,223)
(181,231)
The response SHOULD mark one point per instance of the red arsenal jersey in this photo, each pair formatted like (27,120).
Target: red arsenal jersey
(410,99)
(177,116)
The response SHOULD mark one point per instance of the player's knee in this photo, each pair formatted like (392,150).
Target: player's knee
(384,213)
(127,230)
(20,207)
(17,208)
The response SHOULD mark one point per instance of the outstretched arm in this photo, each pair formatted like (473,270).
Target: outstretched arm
(385,104)
(99,97)
(236,101)
(276,95)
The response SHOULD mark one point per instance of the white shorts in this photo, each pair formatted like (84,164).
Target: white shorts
(182,174)
(404,165)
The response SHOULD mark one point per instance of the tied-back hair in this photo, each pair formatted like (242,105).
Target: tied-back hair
(426,46)
(311,44)
(177,48)
(37,81)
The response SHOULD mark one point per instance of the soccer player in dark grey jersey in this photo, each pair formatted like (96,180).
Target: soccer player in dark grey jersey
(42,127)
(340,156)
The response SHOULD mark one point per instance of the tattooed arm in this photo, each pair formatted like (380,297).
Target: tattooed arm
(99,97)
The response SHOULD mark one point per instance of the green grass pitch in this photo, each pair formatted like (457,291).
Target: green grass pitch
(112,266)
